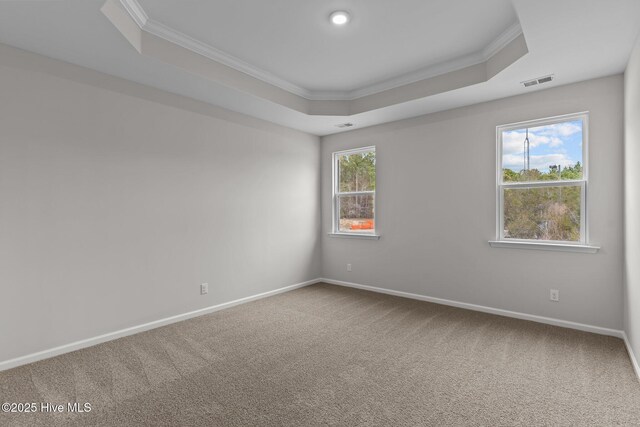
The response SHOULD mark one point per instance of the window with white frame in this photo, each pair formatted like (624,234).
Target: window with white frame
(542,180)
(354,191)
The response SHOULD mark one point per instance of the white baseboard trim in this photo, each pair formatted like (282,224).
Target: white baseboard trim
(67,348)
(484,309)
(632,356)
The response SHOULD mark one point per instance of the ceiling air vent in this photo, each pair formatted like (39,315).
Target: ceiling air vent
(539,80)
(345,125)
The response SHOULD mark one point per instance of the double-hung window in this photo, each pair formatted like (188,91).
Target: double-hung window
(354,192)
(542,180)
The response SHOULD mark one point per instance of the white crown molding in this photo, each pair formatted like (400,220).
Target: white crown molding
(161,30)
(418,75)
(165,32)
(428,72)
(501,41)
(136,12)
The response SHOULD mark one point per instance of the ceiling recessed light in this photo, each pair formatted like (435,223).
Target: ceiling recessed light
(339,17)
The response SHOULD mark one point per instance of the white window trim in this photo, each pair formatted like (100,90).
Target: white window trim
(580,246)
(335,193)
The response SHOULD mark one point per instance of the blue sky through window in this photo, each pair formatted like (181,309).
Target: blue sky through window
(557,144)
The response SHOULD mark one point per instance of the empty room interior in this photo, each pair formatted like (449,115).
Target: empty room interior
(306,213)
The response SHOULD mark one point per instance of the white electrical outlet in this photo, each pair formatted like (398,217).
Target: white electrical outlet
(348,267)
(204,288)
(554,295)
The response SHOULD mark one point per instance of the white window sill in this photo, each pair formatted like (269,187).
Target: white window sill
(355,236)
(562,247)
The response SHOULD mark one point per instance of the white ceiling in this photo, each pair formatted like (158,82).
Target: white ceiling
(294,40)
(573,39)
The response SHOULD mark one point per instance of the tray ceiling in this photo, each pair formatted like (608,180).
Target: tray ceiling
(157,40)
(384,45)
(398,70)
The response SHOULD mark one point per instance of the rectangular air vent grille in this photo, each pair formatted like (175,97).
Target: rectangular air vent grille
(539,80)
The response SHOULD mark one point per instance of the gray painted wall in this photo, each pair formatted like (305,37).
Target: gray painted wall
(435,224)
(632,199)
(115,207)
(118,200)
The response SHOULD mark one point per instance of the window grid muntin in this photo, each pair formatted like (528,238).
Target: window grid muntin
(501,184)
(337,193)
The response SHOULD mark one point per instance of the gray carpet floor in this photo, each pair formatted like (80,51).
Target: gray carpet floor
(326,355)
